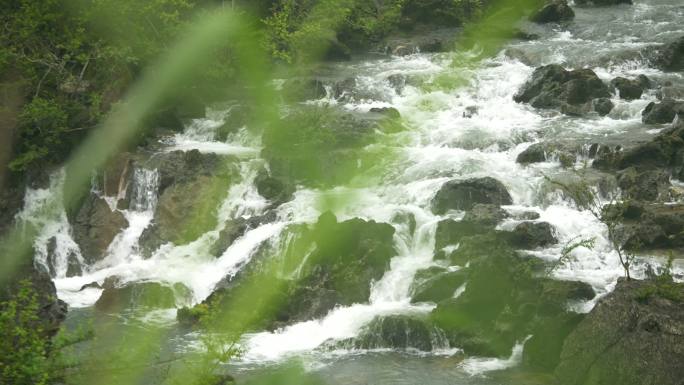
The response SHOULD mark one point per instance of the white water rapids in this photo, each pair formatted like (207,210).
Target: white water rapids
(440,144)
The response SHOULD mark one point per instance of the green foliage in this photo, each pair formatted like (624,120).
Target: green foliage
(23,345)
(42,123)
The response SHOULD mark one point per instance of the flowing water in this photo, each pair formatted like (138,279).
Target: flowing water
(440,144)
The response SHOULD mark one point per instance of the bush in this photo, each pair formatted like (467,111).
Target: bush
(23,345)
(42,124)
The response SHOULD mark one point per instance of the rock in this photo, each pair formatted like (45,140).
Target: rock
(398,82)
(630,337)
(603,106)
(435,285)
(233,229)
(390,112)
(542,152)
(648,226)
(531,235)
(644,185)
(73,264)
(670,57)
(188,317)
(628,89)
(184,212)
(398,332)
(272,188)
(95,227)
(471,111)
(602,3)
(348,256)
(552,12)
(138,295)
(116,176)
(329,143)
(485,214)
(342,261)
(303,89)
(464,194)
(552,86)
(663,112)
(92,285)
(180,167)
(504,302)
(237,118)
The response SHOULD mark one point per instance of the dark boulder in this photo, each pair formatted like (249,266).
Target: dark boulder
(505,300)
(663,112)
(602,3)
(552,12)
(273,189)
(390,112)
(237,117)
(552,86)
(670,57)
(542,152)
(628,89)
(644,185)
(139,295)
(95,226)
(303,89)
(485,214)
(436,284)
(531,235)
(633,336)
(603,106)
(73,264)
(464,194)
(648,226)
(398,332)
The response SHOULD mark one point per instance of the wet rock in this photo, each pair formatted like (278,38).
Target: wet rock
(273,189)
(531,235)
(603,106)
(398,332)
(630,337)
(73,264)
(180,167)
(236,228)
(648,226)
(95,227)
(670,57)
(184,212)
(233,229)
(552,86)
(92,285)
(644,185)
(116,176)
(302,89)
(602,3)
(504,302)
(390,112)
(485,214)
(471,111)
(138,295)
(398,82)
(464,194)
(237,118)
(542,152)
(663,112)
(436,284)
(628,89)
(552,12)
(329,143)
